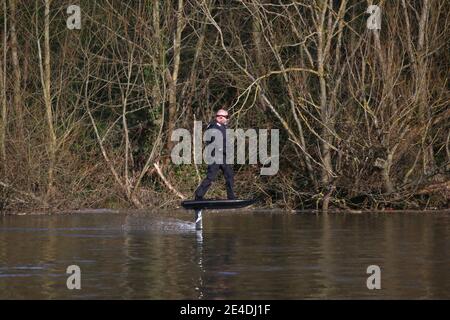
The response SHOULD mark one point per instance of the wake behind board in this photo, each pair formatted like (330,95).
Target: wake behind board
(217,204)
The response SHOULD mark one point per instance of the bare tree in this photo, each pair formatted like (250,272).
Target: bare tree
(173,77)
(17,97)
(45,69)
(3,99)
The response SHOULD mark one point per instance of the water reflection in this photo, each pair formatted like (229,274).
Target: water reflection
(199,258)
(236,256)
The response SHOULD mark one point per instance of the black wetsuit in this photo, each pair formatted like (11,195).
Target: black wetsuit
(213,169)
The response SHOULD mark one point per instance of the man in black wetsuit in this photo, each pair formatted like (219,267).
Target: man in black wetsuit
(219,123)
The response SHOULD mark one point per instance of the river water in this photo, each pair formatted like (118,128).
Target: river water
(238,255)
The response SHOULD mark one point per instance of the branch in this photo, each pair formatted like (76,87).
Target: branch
(166,182)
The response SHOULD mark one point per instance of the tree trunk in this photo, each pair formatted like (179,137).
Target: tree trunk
(324,108)
(3,114)
(18,108)
(46,85)
(422,89)
(173,78)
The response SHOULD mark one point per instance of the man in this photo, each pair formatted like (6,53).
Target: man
(220,123)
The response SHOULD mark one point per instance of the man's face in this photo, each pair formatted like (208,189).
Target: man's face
(222,117)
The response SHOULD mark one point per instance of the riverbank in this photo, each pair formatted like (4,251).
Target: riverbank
(427,196)
(168,212)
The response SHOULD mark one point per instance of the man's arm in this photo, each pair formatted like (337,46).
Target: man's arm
(211,125)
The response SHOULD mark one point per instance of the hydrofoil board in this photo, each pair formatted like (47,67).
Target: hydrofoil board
(217,204)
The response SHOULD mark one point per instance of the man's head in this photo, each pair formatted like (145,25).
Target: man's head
(222,116)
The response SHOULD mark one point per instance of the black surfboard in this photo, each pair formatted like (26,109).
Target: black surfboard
(217,204)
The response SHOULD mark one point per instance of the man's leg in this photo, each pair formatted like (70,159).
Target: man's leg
(229,180)
(213,170)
